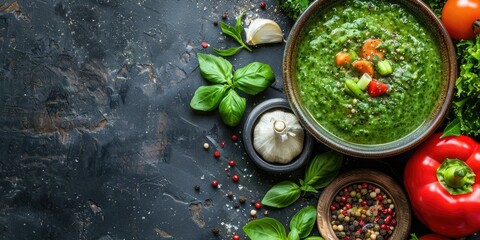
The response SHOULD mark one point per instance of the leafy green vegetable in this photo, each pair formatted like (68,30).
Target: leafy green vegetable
(268,228)
(232,108)
(227,52)
(436,6)
(293,235)
(466,103)
(323,169)
(414,237)
(265,228)
(236,33)
(452,129)
(251,79)
(294,8)
(215,69)
(282,194)
(231,31)
(207,98)
(320,172)
(303,221)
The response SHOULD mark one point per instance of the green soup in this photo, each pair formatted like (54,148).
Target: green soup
(414,84)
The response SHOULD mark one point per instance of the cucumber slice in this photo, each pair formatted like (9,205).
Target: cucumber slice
(352,86)
(364,81)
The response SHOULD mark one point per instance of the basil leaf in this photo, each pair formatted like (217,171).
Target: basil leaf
(207,98)
(293,235)
(302,183)
(232,108)
(265,228)
(303,221)
(254,78)
(323,169)
(239,26)
(215,69)
(314,238)
(231,31)
(227,52)
(282,194)
(452,129)
(308,188)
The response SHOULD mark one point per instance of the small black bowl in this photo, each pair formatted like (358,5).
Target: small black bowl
(252,119)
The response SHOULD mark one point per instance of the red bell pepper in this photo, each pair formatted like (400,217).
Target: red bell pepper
(442,179)
(429,237)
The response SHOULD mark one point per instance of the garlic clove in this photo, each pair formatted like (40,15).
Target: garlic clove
(263,31)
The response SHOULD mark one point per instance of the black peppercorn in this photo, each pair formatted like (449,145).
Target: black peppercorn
(216,231)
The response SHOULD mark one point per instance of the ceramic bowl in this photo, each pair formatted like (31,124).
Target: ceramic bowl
(449,73)
(252,119)
(359,176)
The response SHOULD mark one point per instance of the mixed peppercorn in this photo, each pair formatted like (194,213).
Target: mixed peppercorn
(363,211)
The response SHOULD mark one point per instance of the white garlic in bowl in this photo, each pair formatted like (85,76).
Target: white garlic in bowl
(278,137)
(274,139)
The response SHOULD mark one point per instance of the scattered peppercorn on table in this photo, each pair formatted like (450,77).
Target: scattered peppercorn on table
(98,139)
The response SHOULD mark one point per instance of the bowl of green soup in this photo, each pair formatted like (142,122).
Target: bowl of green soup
(369,78)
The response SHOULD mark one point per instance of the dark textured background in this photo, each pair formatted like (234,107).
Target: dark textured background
(97,139)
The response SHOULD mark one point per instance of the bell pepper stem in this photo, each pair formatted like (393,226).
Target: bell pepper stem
(459,173)
(456,176)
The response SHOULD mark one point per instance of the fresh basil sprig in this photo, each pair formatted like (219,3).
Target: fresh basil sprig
(320,172)
(271,229)
(236,33)
(251,79)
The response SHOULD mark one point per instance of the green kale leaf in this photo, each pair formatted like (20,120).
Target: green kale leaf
(294,8)
(466,103)
(436,6)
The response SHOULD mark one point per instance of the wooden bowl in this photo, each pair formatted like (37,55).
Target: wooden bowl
(386,183)
(328,136)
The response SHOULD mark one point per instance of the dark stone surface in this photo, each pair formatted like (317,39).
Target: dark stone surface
(97,138)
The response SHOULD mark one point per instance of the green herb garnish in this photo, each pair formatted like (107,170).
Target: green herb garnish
(320,172)
(271,229)
(251,79)
(236,33)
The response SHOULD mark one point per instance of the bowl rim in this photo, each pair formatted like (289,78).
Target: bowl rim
(297,162)
(375,150)
(384,181)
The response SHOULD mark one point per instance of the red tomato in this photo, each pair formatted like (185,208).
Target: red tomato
(433,237)
(459,17)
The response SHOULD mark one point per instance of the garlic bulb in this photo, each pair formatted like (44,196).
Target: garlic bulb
(263,31)
(278,137)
